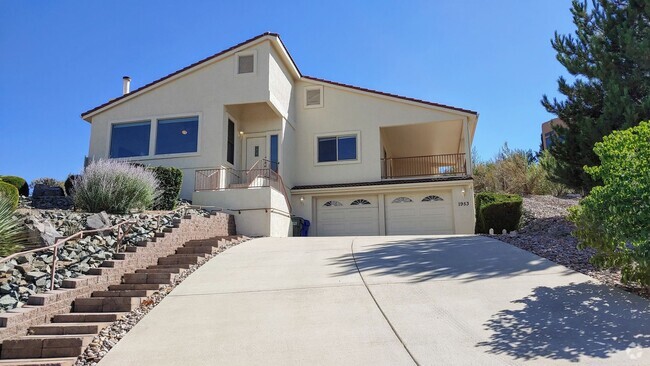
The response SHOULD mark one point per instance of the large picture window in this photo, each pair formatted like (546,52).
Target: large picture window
(337,148)
(130,139)
(177,136)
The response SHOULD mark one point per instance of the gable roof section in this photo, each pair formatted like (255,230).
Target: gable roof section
(144,88)
(371,91)
(141,89)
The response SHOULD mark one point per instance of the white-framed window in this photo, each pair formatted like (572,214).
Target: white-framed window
(130,139)
(337,148)
(246,62)
(177,135)
(155,137)
(314,96)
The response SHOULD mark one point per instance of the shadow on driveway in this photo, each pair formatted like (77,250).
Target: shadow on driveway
(567,322)
(422,259)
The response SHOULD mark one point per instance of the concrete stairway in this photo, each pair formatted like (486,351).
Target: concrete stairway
(65,338)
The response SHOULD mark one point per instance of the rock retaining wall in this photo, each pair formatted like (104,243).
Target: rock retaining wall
(41,307)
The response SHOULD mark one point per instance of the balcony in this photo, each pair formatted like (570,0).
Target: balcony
(221,179)
(423,166)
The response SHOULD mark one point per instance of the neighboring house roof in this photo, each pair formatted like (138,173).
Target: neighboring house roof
(381,183)
(293,65)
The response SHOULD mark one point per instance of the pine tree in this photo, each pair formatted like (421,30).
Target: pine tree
(609,59)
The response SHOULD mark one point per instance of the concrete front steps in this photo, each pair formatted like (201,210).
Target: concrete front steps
(65,338)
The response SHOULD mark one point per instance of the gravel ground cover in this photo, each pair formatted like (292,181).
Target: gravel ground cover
(546,232)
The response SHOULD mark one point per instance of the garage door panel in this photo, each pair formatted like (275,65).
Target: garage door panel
(419,213)
(348,216)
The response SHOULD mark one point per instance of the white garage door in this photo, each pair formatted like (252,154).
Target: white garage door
(340,216)
(419,213)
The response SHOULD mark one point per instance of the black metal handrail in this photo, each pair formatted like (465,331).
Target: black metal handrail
(425,165)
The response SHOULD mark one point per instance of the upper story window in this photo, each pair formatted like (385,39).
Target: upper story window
(337,148)
(246,63)
(313,96)
(130,139)
(177,135)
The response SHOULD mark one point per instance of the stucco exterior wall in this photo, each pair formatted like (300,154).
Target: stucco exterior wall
(202,93)
(346,112)
(257,212)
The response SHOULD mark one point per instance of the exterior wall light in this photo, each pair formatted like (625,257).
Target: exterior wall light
(302,200)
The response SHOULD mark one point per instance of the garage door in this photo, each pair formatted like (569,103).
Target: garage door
(339,216)
(419,213)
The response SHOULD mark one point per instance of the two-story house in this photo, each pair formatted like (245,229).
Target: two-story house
(253,135)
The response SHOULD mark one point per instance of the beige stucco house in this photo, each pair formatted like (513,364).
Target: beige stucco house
(254,135)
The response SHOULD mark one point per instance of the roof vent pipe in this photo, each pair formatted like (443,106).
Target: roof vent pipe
(126,85)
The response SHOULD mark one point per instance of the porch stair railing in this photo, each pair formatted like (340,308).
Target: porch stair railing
(256,177)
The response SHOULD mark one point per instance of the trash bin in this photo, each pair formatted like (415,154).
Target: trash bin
(297,223)
(305,228)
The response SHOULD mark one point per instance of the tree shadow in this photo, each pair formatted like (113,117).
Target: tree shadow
(568,322)
(420,259)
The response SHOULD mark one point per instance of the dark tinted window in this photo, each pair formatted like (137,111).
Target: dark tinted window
(326,149)
(347,148)
(231,142)
(179,135)
(130,139)
(337,148)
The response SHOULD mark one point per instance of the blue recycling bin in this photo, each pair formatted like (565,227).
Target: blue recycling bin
(305,228)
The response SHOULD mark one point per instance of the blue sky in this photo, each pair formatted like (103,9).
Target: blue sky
(60,58)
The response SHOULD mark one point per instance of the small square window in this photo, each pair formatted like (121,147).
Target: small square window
(245,64)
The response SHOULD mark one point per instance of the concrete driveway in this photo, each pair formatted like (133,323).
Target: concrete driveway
(459,300)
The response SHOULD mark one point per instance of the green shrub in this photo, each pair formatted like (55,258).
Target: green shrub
(18,182)
(497,211)
(170,181)
(614,219)
(10,193)
(50,182)
(68,185)
(115,187)
(12,231)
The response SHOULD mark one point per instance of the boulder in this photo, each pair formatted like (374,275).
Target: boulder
(8,301)
(41,190)
(98,221)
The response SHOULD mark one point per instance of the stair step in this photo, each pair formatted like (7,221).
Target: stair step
(179,265)
(123,293)
(205,243)
(197,250)
(112,263)
(106,304)
(160,270)
(159,278)
(61,361)
(135,286)
(67,328)
(121,256)
(175,259)
(87,317)
(45,346)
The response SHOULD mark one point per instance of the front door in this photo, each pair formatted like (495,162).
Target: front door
(255,150)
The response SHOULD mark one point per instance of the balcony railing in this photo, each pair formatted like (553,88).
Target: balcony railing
(227,178)
(422,166)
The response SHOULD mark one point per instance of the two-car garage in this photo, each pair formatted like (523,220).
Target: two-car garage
(424,212)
